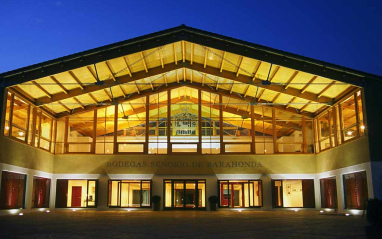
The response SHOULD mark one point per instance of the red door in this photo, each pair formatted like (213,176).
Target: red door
(76,196)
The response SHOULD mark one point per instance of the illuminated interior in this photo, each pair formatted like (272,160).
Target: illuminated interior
(240,193)
(13,187)
(293,193)
(185,194)
(127,193)
(76,193)
(355,190)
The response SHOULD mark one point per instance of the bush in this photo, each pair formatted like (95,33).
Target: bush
(156,199)
(213,199)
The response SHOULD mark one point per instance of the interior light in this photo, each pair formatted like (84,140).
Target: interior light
(350,133)
(265,150)
(108,151)
(20,214)
(362,126)
(7,127)
(21,133)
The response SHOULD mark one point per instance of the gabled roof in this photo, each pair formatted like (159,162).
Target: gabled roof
(183,56)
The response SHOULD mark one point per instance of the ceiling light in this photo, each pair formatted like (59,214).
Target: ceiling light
(266,82)
(21,133)
(350,133)
(362,126)
(7,127)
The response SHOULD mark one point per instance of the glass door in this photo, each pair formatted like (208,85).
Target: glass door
(190,194)
(178,194)
(184,194)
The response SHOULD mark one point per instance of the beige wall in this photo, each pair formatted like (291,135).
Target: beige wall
(348,154)
(22,155)
(18,154)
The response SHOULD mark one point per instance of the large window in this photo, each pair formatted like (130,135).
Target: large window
(293,193)
(76,193)
(240,193)
(355,190)
(41,192)
(129,193)
(12,190)
(328,192)
(184,194)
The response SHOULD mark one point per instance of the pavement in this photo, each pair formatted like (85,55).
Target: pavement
(183,224)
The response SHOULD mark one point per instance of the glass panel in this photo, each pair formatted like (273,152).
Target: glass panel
(292,193)
(7,114)
(41,192)
(289,132)
(328,192)
(348,117)
(191,195)
(201,194)
(263,130)
(158,123)
(105,130)
(184,148)
(324,131)
(60,136)
(146,193)
(77,193)
(184,115)
(225,194)
(360,114)
(178,194)
(277,193)
(46,126)
(168,194)
(210,123)
(80,132)
(19,118)
(255,194)
(91,193)
(130,194)
(309,135)
(114,193)
(37,128)
(355,187)
(237,148)
(12,190)
(132,121)
(130,148)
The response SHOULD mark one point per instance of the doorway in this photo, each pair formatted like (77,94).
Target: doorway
(76,196)
(184,194)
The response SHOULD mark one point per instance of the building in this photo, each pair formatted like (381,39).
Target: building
(186,114)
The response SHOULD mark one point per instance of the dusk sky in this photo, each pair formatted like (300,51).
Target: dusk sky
(343,32)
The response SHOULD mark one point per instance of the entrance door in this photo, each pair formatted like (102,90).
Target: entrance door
(184,194)
(76,196)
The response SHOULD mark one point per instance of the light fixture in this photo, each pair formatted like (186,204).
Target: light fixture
(239,210)
(350,133)
(296,210)
(21,214)
(265,150)
(347,214)
(321,211)
(362,127)
(74,210)
(125,117)
(7,127)
(128,210)
(21,133)
(48,211)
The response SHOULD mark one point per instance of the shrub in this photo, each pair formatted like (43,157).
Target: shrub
(213,199)
(156,199)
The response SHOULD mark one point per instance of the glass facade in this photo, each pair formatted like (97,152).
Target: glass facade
(293,193)
(328,190)
(184,194)
(240,193)
(41,192)
(355,190)
(129,193)
(76,193)
(185,120)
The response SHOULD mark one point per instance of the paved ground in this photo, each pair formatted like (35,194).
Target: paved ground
(182,224)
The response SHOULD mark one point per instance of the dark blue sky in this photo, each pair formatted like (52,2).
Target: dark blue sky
(343,32)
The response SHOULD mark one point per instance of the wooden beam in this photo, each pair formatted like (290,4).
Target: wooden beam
(127,66)
(222,63)
(79,102)
(203,76)
(92,73)
(138,91)
(65,107)
(191,76)
(274,73)
(177,76)
(42,89)
(161,57)
(175,56)
(276,97)
(183,51)
(260,95)
(308,84)
(93,98)
(304,107)
(144,62)
(290,102)
(239,67)
(184,74)
(192,53)
(76,79)
(151,84)
(108,96)
(246,91)
(326,88)
(108,67)
(123,92)
(205,56)
(165,79)
(257,67)
(290,79)
(59,84)
(231,90)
